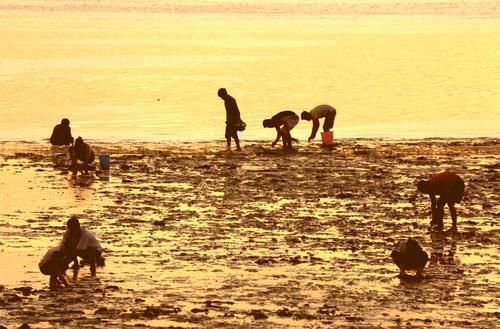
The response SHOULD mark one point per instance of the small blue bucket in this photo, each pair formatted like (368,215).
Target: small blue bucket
(104,162)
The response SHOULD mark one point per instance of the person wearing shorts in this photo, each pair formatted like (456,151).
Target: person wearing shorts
(283,122)
(81,242)
(321,111)
(450,187)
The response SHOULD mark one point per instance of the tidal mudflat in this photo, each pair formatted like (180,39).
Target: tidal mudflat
(199,237)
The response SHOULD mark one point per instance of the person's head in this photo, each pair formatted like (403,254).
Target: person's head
(222,93)
(79,141)
(100,261)
(65,122)
(412,247)
(423,186)
(268,123)
(73,225)
(305,116)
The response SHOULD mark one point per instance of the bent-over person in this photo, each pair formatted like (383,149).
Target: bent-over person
(284,122)
(450,189)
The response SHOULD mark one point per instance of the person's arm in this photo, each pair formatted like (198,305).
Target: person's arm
(62,278)
(237,117)
(235,112)
(71,139)
(228,112)
(433,208)
(278,136)
(88,153)
(53,136)
(70,255)
(315,128)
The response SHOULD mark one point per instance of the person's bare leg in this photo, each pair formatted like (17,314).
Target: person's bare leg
(72,155)
(440,214)
(228,141)
(237,141)
(63,280)
(402,272)
(92,267)
(75,266)
(453,213)
(74,160)
(289,140)
(434,216)
(89,255)
(53,282)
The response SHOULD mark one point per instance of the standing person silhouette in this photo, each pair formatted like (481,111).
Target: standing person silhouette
(232,118)
(450,187)
(321,111)
(61,135)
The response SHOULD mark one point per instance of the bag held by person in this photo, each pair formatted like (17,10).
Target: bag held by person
(241,126)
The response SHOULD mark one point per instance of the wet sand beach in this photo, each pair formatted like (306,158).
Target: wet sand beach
(196,236)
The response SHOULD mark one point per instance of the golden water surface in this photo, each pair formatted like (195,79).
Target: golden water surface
(150,70)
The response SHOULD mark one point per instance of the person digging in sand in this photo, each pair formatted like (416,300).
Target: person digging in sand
(83,152)
(284,121)
(53,264)
(410,256)
(450,187)
(321,111)
(80,242)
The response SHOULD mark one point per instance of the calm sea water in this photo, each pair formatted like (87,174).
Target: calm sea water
(150,70)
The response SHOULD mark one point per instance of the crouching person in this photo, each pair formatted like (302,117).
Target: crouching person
(80,242)
(410,256)
(83,152)
(53,264)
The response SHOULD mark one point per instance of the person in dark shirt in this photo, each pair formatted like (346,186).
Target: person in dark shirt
(410,256)
(83,152)
(450,187)
(284,121)
(61,135)
(232,118)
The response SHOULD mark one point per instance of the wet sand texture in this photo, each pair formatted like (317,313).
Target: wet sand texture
(196,237)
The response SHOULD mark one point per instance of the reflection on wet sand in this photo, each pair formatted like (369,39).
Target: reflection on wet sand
(443,249)
(197,237)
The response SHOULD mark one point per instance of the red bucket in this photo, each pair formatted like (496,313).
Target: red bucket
(327,137)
